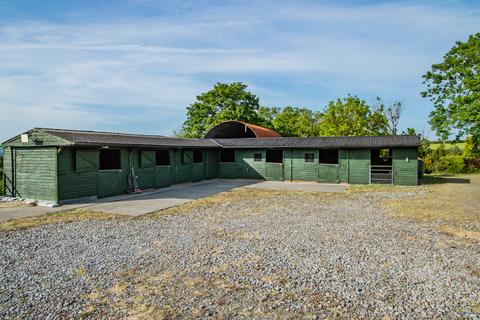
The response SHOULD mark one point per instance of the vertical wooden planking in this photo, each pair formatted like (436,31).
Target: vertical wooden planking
(36,173)
(405,166)
(302,170)
(77,180)
(7,171)
(359,166)
(343,169)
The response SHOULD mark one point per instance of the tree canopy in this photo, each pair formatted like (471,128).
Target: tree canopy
(454,88)
(223,102)
(351,116)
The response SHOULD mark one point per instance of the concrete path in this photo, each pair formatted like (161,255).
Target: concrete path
(158,199)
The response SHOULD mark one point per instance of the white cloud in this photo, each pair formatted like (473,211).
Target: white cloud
(120,73)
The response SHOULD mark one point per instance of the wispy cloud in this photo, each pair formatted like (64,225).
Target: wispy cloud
(138,72)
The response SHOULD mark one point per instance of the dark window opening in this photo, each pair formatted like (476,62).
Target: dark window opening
(110,159)
(309,157)
(257,157)
(162,158)
(328,156)
(381,157)
(227,155)
(274,156)
(197,156)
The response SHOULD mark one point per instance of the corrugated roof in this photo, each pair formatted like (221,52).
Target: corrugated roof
(323,142)
(98,138)
(80,137)
(240,129)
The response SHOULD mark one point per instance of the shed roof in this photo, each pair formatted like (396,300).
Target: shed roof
(240,129)
(323,142)
(99,138)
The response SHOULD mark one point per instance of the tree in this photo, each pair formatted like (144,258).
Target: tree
(223,102)
(351,117)
(266,116)
(454,88)
(392,112)
(295,122)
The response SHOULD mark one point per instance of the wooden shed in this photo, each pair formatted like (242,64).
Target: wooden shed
(57,165)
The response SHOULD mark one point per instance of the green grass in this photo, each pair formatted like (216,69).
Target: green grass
(57,217)
(436,145)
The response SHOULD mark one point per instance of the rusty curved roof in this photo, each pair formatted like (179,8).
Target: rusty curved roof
(240,129)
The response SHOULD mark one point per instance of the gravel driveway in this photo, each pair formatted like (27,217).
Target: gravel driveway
(260,255)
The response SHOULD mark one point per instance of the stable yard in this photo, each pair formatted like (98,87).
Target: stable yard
(371,252)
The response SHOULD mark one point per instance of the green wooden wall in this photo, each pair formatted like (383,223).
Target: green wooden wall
(301,170)
(343,165)
(405,166)
(73,182)
(41,171)
(38,138)
(359,166)
(7,171)
(35,173)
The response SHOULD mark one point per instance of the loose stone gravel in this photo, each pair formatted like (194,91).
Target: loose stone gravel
(280,256)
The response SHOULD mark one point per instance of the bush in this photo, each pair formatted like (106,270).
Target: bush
(451,164)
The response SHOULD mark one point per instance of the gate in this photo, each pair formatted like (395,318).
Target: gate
(381,174)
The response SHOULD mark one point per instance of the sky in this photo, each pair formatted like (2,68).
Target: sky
(134,66)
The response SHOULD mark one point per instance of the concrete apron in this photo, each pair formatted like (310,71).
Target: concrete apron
(158,199)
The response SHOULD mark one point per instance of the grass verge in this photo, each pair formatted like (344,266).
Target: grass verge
(57,217)
(450,203)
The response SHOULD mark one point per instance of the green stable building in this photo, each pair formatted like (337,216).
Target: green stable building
(56,165)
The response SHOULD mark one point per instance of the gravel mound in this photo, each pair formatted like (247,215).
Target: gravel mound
(280,256)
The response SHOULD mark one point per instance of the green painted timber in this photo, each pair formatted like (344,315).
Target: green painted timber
(7,171)
(405,166)
(287,164)
(198,171)
(343,165)
(301,170)
(183,169)
(143,162)
(227,170)
(162,176)
(77,173)
(114,182)
(247,167)
(211,164)
(328,173)
(359,166)
(36,139)
(35,173)
(274,171)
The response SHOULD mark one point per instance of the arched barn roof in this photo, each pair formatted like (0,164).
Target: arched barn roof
(239,129)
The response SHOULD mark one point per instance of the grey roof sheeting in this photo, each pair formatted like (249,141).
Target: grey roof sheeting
(323,142)
(97,138)
(88,138)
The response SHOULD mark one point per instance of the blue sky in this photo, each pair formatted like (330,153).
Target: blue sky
(134,66)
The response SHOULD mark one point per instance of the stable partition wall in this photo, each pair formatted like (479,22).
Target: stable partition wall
(329,166)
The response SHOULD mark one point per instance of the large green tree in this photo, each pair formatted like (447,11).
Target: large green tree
(295,122)
(224,102)
(454,88)
(351,116)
